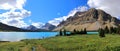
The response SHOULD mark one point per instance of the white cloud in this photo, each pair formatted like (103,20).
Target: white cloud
(37,24)
(56,21)
(11,16)
(12,4)
(110,6)
(14,22)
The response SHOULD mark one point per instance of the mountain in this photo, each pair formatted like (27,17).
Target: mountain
(31,27)
(48,26)
(35,29)
(93,19)
(4,27)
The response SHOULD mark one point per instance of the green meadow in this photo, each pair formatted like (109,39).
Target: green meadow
(66,43)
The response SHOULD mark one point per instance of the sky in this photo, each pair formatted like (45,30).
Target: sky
(22,13)
(43,10)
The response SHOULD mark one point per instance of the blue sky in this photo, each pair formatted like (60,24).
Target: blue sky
(22,13)
(45,10)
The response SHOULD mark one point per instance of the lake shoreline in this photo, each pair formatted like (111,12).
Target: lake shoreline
(17,36)
(66,43)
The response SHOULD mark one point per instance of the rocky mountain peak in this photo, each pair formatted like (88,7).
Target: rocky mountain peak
(92,10)
(31,27)
(48,26)
(92,19)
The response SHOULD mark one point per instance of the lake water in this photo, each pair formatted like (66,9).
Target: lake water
(17,36)
(92,33)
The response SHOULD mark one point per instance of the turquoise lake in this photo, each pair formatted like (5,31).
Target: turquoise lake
(17,36)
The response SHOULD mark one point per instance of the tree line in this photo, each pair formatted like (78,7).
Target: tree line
(101,31)
(111,30)
(63,32)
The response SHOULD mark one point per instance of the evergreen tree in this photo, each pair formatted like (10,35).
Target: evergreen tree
(118,30)
(74,31)
(106,30)
(101,32)
(81,32)
(115,30)
(111,30)
(64,32)
(85,32)
(78,32)
(60,33)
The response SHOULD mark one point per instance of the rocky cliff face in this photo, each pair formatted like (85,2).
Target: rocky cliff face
(92,19)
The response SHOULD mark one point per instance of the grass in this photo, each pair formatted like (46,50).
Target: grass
(66,43)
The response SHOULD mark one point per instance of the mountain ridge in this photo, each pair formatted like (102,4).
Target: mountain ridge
(7,28)
(93,19)
(48,26)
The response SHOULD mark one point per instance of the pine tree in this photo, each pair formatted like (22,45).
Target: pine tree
(101,32)
(106,30)
(64,32)
(81,32)
(115,30)
(74,31)
(111,30)
(118,30)
(60,33)
(85,32)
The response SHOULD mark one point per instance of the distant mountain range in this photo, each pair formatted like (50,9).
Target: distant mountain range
(93,19)
(4,27)
(46,27)
(31,28)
